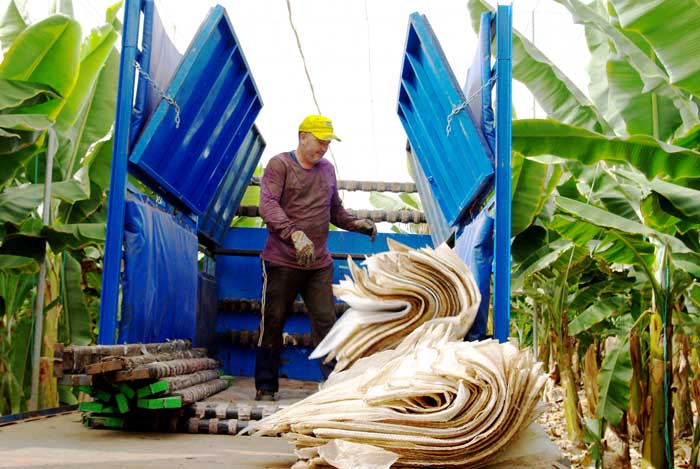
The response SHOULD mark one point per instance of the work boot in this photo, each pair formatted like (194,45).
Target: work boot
(264,395)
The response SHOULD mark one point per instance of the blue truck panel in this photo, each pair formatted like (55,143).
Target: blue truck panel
(188,145)
(455,164)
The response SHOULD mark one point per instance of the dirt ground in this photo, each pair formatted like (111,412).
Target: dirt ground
(554,423)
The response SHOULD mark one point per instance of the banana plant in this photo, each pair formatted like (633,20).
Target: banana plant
(54,79)
(631,168)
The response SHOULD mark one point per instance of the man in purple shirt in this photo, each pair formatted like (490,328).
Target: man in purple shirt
(298,201)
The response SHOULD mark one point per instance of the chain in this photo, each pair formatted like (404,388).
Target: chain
(163,96)
(456,110)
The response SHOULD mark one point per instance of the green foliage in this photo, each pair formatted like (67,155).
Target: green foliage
(57,98)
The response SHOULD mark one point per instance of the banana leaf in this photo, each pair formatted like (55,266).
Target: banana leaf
(47,52)
(554,91)
(603,221)
(76,236)
(18,203)
(12,163)
(15,93)
(599,311)
(411,200)
(35,122)
(614,384)
(533,183)
(656,212)
(11,25)
(655,79)
(690,140)
(685,200)
(671,28)
(639,112)
(83,211)
(388,202)
(24,244)
(10,264)
(75,312)
(98,119)
(17,141)
(99,161)
(19,358)
(89,110)
(111,15)
(533,137)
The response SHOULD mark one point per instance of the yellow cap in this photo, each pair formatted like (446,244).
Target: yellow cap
(320,127)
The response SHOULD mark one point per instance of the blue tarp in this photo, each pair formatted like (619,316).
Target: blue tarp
(160,276)
(475,246)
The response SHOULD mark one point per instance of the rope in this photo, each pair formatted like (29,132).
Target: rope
(456,110)
(161,93)
(308,75)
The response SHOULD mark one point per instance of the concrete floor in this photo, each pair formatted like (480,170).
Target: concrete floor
(62,441)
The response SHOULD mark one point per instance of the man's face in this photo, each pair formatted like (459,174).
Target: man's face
(313,147)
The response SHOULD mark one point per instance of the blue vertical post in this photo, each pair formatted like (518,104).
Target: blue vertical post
(504,71)
(116,204)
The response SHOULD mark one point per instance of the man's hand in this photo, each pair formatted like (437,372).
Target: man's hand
(304,248)
(367,227)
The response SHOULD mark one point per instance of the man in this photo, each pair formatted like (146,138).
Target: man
(298,200)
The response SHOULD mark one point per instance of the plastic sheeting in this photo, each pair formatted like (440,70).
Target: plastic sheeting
(475,246)
(163,59)
(159,282)
(478,87)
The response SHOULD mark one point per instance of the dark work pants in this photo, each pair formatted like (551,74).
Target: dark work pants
(280,288)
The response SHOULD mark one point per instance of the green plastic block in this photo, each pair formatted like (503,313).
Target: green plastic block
(104,396)
(122,403)
(153,388)
(127,390)
(86,389)
(170,402)
(106,422)
(91,406)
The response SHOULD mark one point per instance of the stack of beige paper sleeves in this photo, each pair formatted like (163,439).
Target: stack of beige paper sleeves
(397,292)
(425,398)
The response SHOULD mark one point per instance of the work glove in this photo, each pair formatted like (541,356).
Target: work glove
(304,248)
(367,227)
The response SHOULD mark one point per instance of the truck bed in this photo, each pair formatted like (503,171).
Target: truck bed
(62,440)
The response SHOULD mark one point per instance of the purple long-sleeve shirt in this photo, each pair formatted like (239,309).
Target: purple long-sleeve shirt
(293,198)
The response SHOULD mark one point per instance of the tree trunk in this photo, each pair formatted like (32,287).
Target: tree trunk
(620,457)
(682,411)
(695,395)
(572,410)
(638,389)
(48,387)
(657,448)
(590,378)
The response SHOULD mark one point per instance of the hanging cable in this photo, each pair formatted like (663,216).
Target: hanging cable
(308,75)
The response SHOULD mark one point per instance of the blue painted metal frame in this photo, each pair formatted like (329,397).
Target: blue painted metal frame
(504,75)
(213,156)
(455,165)
(109,302)
(218,102)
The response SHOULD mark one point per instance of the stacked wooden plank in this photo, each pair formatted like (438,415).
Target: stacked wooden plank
(144,386)
(222,417)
